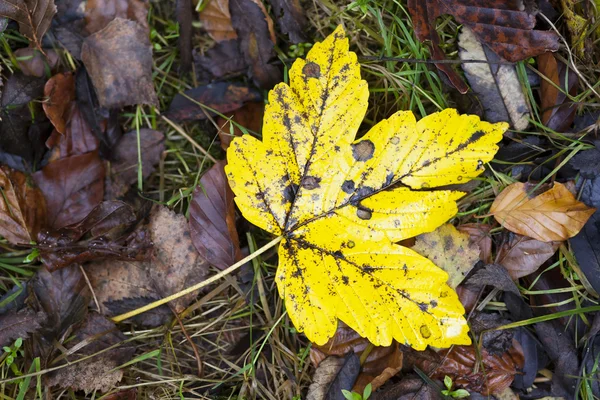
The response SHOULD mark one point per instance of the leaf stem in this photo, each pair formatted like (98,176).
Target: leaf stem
(199,285)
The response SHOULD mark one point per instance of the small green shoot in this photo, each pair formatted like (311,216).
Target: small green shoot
(457,394)
(355,396)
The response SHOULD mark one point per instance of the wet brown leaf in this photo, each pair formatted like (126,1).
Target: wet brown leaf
(332,376)
(522,255)
(381,364)
(60,91)
(558,112)
(22,207)
(501,25)
(290,17)
(33,63)
(450,250)
(216,20)
(554,215)
(106,232)
(479,234)
(257,43)
(72,186)
(212,219)
(96,334)
(459,362)
(77,139)
(19,324)
(99,13)
(250,116)
(118,59)
(33,16)
(221,96)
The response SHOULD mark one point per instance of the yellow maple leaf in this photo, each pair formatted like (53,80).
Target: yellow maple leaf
(340,203)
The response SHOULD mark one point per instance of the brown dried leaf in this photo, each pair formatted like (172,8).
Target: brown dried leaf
(479,234)
(33,63)
(522,255)
(450,250)
(106,232)
(250,116)
(72,186)
(60,91)
(216,20)
(554,215)
(502,25)
(22,207)
(257,42)
(332,376)
(221,96)
(77,139)
(124,165)
(212,219)
(119,61)
(380,365)
(33,16)
(96,373)
(99,13)
(14,325)
(558,112)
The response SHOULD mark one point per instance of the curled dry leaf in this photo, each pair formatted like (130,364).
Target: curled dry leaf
(554,215)
(450,250)
(522,255)
(60,92)
(332,376)
(488,21)
(99,13)
(309,177)
(380,365)
(216,20)
(558,112)
(212,219)
(33,16)
(22,207)
(223,97)
(119,61)
(72,186)
(250,116)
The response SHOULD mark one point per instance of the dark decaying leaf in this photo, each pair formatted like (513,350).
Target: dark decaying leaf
(489,21)
(409,388)
(252,26)
(460,363)
(183,13)
(522,255)
(212,219)
(33,16)
(479,234)
(222,96)
(290,17)
(534,355)
(493,275)
(495,342)
(250,116)
(118,59)
(19,324)
(124,164)
(60,92)
(77,139)
(591,353)
(497,86)
(332,376)
(33,63)
(588,164)
(22,207)
(224,60)
(99,13)
(381,364)
(558,112)
(72,186)
(106,232)
(96,373)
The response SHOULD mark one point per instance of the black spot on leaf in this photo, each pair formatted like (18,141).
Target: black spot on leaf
(310,182)
(348,187)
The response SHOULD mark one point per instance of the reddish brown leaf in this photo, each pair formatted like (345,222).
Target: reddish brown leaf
(222,96)
(479,234)
(106,232)
(60,91)
(99,13)
(119,61)
(558,112)
(78,138)
(380,365)
(124,165)
(216,20)
(250,116)
(212,219)
(501,25)
(72,186)
(22,207)
(33,63)
(459,362)
(33,16)
(522,255)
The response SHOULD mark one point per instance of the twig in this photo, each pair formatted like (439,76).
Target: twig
(197,286)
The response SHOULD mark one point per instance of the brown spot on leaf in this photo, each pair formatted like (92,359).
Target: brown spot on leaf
(311,70)
(425,332)
(364,213)
(311,182)
(363,150)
